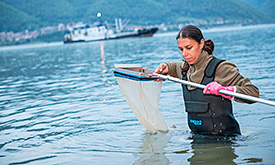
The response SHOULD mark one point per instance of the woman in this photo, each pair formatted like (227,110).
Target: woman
(209,112)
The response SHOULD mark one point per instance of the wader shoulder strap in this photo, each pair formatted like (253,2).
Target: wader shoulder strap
(184,75)
(209,73)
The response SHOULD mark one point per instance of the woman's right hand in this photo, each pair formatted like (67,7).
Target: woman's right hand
(162,69)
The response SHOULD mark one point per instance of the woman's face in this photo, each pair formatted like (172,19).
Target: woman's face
(190,49)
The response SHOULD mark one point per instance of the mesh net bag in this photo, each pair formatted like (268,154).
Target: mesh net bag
(142,94)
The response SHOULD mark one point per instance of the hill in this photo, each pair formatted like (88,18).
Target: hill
(265,6)
(30,14)
(13,19)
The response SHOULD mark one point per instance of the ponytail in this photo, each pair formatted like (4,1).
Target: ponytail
(208,46)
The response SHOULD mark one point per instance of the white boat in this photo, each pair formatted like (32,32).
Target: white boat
(87,33)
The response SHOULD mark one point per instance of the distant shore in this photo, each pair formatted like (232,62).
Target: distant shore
(158,34)
(222,28)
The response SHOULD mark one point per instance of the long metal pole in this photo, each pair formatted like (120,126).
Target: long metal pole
(239,95)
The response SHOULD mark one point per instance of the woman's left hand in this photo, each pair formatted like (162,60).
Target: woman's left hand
(214,88)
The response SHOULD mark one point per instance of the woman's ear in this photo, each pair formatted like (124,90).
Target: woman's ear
(201,44)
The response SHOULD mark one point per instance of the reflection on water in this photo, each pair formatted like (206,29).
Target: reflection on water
(103,62)
(152,150)
(104,69)
(203,150)
(212,151)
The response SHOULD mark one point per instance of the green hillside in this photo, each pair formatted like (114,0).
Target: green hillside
(13,19)
(265,6)
(21,14)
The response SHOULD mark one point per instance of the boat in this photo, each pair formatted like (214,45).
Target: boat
(142,94)
(101,31)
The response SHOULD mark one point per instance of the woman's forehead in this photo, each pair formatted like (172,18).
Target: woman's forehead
(186,41)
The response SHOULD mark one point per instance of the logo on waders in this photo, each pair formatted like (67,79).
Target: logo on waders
(196,122)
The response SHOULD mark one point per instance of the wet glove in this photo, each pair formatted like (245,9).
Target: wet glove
(214,88)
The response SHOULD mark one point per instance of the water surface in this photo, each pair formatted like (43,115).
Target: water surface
(60,104)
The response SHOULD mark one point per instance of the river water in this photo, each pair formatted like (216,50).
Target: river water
(60,104)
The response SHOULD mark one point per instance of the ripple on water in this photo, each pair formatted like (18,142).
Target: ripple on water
(61,104)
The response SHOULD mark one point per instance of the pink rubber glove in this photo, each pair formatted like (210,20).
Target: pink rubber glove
(214,88)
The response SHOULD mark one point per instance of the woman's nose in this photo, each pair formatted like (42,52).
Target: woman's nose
(183,52)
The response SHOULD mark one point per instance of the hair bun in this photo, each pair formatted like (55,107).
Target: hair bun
(209,46)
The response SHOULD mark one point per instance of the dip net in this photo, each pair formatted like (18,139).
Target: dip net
(142,94)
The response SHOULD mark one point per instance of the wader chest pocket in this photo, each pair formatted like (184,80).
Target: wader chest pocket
(196,107)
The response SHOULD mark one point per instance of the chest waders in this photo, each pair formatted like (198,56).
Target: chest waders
(209,114)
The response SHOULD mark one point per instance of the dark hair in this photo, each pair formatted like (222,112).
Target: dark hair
(193,32)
